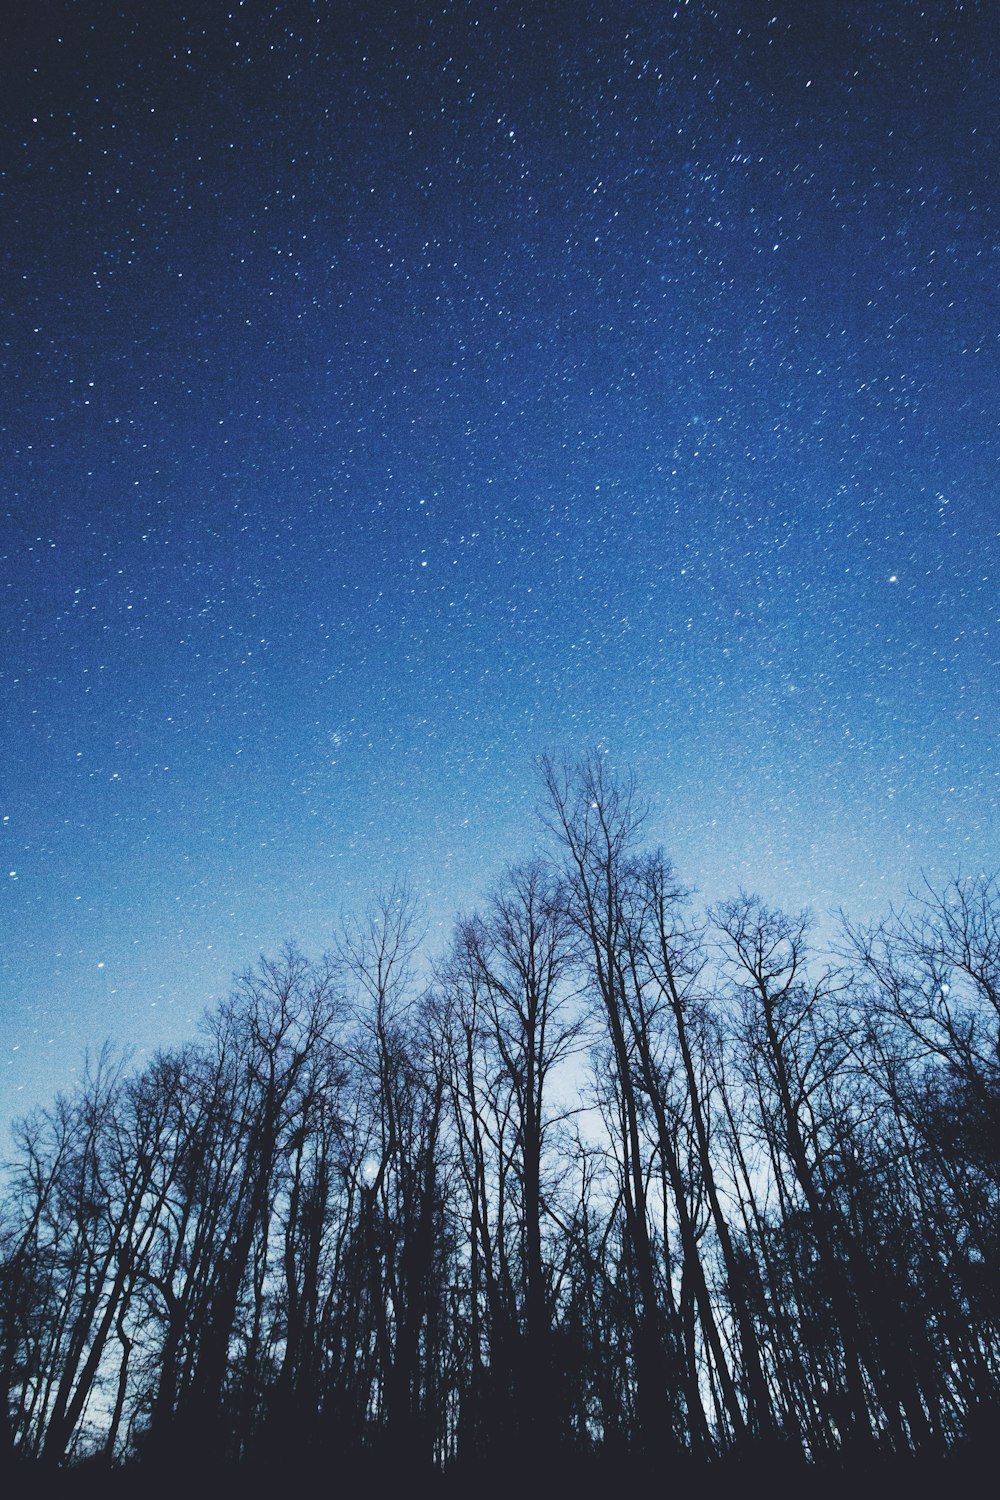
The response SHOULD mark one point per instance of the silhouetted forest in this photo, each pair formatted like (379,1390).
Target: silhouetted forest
(624,1190)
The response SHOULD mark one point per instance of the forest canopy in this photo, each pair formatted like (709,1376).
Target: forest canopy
(625,1178)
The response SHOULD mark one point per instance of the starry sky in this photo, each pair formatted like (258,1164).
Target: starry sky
(394,393)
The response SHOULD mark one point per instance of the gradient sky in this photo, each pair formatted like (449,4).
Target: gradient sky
(394,393)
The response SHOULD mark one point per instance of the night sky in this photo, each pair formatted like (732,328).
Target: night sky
(392,394)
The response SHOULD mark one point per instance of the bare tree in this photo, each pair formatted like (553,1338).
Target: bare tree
(624,1182)
(596,822)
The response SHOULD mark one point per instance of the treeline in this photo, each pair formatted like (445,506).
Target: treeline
(622,1181)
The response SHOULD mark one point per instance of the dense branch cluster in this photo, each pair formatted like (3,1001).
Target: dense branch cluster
(622,1179)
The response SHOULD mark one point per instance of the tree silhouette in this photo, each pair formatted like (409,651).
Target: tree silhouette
(621,1184)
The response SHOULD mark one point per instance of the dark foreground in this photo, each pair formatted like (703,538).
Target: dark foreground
(967,1473)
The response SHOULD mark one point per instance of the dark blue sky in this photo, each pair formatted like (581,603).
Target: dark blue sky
(394,394)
